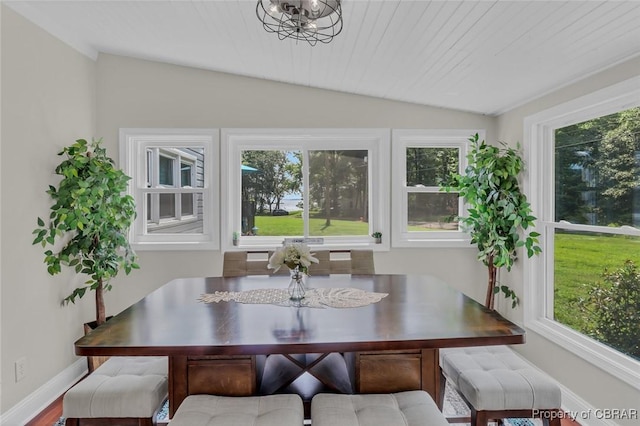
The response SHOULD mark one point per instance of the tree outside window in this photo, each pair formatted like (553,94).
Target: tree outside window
(597,182)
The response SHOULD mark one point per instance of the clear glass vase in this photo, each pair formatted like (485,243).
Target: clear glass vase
(297,285)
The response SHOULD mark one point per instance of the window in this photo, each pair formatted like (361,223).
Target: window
(422,159)
(173,185)
(328,184)
(174,168)
(585,176)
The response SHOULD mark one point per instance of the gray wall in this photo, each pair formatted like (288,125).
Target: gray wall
(137,93)
(591,383)
(48,101)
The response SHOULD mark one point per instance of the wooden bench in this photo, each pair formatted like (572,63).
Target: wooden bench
(122,391)
(212,410)
(496,384)
(410,408)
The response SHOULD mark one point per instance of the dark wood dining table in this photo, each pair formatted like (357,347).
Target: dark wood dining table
(232,348)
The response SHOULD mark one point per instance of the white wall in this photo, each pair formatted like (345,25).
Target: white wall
(137,93)
(596,387)
(48,101)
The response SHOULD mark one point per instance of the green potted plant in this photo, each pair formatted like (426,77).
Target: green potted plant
(377,236)
(88,221)
(236,238)
(499,215)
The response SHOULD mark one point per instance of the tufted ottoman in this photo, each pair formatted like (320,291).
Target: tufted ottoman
(497,384)
(124,390)
(411,408)
(212,410)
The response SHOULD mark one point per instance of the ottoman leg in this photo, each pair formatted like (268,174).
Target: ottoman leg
(72,422)
(479,418)
(555,419)
(443,385)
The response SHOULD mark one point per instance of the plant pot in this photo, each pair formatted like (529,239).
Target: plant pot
(94,362)
(379,240)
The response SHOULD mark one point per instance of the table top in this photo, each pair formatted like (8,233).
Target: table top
(419,312)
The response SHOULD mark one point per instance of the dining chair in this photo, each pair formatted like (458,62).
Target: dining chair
(357,262)
(244,263)
(362,262)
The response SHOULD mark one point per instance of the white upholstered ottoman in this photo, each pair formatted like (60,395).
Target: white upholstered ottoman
(212,410)
(129,389)
(497,384)
(411,408)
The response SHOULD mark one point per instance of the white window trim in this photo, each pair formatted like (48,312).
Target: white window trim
(133,144)
(427,138)
(539,130)
(377,141)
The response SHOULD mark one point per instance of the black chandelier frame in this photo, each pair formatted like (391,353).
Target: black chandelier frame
(297,20)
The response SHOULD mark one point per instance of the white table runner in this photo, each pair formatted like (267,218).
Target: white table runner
(314,298)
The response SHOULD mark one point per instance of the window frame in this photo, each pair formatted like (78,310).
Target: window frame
(178,158)
(539,151)
(236,140)
(425,138)
(134,145)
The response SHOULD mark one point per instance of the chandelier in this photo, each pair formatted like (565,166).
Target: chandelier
(309,20)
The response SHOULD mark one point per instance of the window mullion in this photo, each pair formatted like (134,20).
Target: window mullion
(305,191)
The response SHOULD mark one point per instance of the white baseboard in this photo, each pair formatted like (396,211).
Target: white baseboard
(42,397)
(584,413)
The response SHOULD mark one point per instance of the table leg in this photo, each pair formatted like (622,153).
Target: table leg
(178,386)
(431,372)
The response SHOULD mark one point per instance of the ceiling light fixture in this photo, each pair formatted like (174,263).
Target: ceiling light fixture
(309,20)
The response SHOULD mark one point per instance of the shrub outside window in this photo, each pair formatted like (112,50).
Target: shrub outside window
(585,180)
(596,263)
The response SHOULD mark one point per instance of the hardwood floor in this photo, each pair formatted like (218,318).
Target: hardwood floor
(49,416)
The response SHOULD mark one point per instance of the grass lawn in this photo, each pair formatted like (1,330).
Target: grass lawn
(292,225)
(580,261)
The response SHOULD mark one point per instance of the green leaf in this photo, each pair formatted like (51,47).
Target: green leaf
(90,215)
(497,210)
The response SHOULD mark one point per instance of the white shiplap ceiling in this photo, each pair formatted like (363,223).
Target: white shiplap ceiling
(480,56)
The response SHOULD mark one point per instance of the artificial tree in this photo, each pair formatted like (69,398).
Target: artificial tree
(89,221)
(499,215)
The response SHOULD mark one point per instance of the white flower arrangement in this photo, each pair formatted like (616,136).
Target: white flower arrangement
(292,255)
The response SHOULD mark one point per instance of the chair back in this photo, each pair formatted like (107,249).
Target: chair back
(243,263)
(362,262)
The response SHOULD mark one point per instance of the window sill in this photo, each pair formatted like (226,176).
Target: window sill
(175,246)
(270,244)
(433,243)
(599,355)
